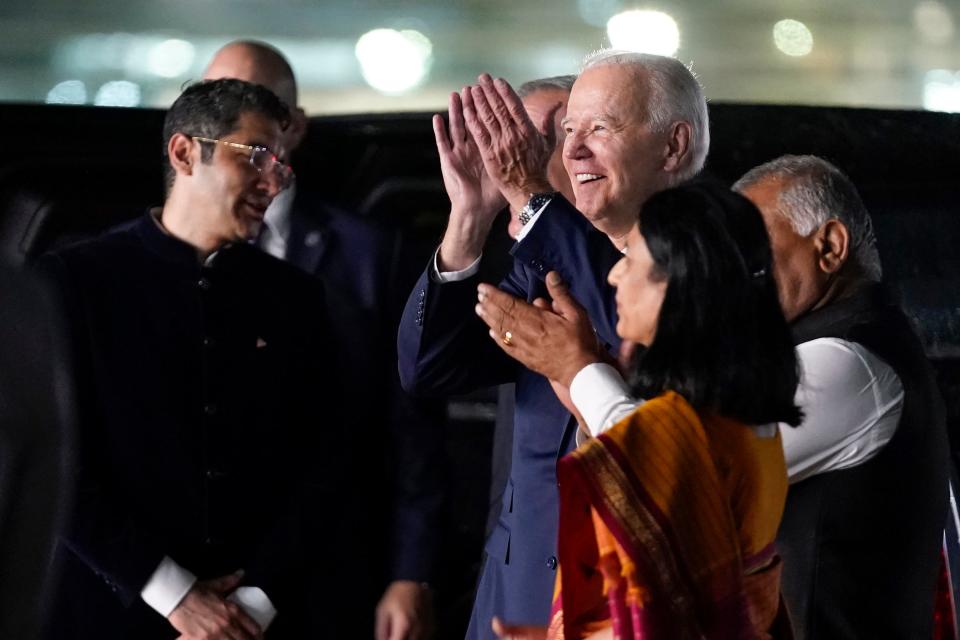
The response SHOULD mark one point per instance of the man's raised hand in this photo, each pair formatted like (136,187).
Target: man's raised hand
(475,199)
(514,152)
(467,183)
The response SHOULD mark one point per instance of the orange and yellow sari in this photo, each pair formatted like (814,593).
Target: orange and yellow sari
(667,524)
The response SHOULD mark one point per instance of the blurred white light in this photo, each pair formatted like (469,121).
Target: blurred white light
(118,93)
(644,31)
(394,61)
(933,22)
(941,90)
(68,92)
(793,38)
(598,12)
(170,58)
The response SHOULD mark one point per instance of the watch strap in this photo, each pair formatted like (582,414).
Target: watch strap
(536,202)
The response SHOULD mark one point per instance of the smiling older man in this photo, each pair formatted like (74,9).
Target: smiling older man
(865,512)
(635,124)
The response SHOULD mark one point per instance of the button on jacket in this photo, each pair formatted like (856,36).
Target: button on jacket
(205,393)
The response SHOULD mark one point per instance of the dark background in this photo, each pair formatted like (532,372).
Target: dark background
(69,172)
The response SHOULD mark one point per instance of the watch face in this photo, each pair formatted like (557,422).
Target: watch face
(536,202)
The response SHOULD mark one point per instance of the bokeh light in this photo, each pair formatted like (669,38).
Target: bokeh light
(68,92)
(170,58)
(933,22)
(941,90)
(644,31)
(118,93)
(793,38)
(392,61)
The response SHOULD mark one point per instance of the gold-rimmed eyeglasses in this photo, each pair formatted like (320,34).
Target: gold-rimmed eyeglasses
(262,159)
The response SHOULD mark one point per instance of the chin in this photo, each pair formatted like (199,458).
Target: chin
(590,212)
(249,232)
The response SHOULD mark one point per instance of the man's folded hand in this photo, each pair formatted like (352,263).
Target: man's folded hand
(205,614)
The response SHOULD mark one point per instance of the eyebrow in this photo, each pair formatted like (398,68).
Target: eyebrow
(600,118)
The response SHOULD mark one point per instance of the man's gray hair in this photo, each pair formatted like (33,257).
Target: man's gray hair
(675,95)
(553,83)
(815,191)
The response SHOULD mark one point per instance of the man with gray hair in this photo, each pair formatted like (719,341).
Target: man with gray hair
(635,124)
(860,537)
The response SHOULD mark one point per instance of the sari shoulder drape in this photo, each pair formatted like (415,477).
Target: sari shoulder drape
(667,524)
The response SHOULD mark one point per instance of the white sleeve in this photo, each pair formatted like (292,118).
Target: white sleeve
(851,400)
(452,276)
(170,583)
(602,397)
(525,229)
(255,604)
(167,586)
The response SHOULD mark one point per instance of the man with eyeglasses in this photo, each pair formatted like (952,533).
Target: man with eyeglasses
(395,503)
(205,401)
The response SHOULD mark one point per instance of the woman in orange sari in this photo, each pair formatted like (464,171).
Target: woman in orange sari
(668,515)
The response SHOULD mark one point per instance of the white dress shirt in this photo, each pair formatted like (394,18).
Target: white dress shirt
(455,276)
(851,401)
(275,232)
(170,583)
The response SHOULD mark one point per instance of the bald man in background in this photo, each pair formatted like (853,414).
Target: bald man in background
(393,506)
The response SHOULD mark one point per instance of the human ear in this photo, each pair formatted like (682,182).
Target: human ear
(180,151)
(678,146)
(833,245)
(296,129)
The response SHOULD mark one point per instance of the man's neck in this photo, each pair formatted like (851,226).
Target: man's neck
(615,229)
(180,221)
(619,239)
(841,287)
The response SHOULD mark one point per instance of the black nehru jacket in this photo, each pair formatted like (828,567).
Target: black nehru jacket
(861,546)
(207,429)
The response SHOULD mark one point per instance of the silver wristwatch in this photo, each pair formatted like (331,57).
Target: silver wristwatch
(536,202)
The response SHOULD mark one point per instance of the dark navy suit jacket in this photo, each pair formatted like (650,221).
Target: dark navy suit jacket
(396,489)
(444,349)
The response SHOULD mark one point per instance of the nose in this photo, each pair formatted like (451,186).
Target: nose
(614,276)
(575,146)
(270,183)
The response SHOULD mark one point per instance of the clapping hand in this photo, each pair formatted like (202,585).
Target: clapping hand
(554,339)
(475,199)
(514,152)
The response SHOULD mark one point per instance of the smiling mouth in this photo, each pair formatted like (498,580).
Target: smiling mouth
(584,178)
(259,210)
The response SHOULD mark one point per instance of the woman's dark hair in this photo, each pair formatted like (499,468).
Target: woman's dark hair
(721,341)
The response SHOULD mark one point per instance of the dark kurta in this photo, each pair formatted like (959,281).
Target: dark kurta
(205,415)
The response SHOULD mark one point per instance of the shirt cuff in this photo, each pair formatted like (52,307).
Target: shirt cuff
(601,396)
(525,229)
(255,604)
(452,276)
(167,586)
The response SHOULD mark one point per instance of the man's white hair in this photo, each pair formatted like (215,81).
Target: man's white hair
(815,191)
(675,96)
